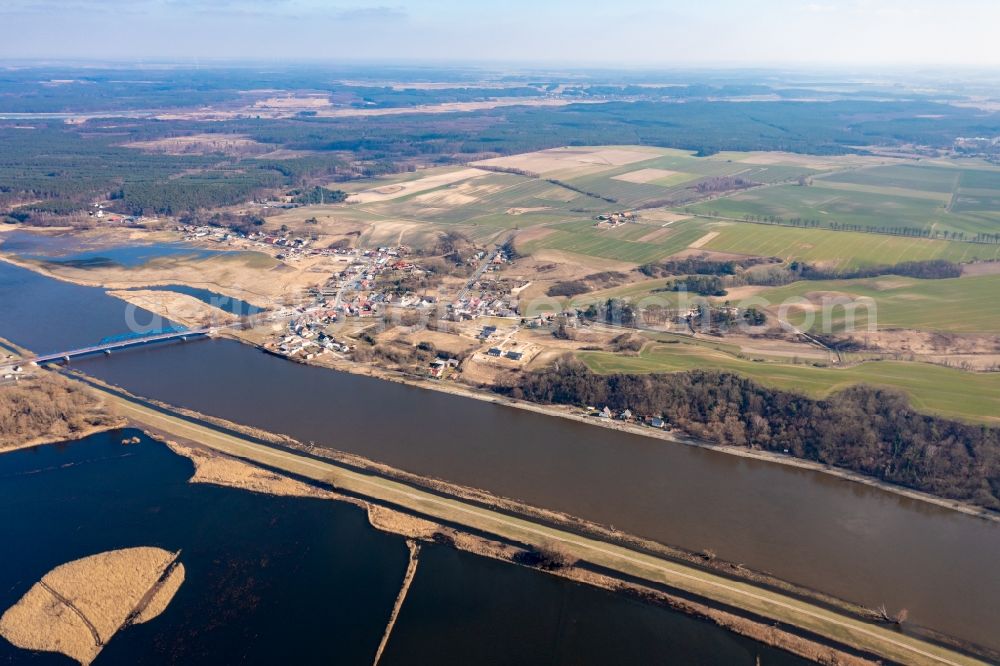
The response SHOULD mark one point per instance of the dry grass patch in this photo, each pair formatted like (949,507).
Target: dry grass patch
(532,234)
(704,240)
(77,607)
(184,309)
(222,471)
(162,596)
(397,190)
(665,216)
(318,101)
(399,232)
(395,522)
(106,587)
(817,162)
(710,255)
(578,160)
(583,262)
(254,277)
(522,211)
(981,268)
(448,198)
(643,176)
(655,235)
(40,622)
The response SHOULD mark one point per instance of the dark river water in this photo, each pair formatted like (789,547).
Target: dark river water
(494,613)
(256,567)
(71,250)
(273,580)
(856,542)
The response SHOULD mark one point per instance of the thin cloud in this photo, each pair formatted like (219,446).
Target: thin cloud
(177,8)
(373,14)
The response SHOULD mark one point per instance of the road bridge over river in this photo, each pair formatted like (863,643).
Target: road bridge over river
(121,342)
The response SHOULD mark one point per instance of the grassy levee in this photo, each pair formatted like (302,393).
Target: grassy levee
(967,396)
(837,627)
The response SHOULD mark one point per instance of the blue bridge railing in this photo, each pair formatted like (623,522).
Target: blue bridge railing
(137,335)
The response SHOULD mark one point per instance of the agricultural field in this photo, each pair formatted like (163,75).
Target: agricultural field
(939,199)
(959,305)
(551,198)
(636,176)
(841,250)
(968,396)
(622,244)
(486,205)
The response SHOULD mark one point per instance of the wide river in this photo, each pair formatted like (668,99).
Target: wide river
(271,580)
(859,543)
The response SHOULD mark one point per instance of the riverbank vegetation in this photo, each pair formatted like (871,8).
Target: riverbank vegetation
(868,430)
(49,408)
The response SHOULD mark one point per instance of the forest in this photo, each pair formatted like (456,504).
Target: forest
(864,429)
(53,167)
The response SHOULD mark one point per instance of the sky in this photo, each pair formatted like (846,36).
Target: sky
(638,33)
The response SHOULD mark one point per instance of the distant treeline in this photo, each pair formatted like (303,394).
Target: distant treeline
(931,269)
(723,184)
(602,280)
(191,193)
(711,278)
(58,170)
(580,190)
(702,126)
(318,195)
(698,266)
(703,285)
(56,167)
(736,273)
(863,429)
